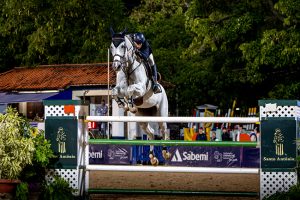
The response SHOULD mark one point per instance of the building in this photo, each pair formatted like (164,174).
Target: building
(25,88)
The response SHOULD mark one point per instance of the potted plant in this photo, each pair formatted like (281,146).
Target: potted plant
(58,189)
(34,174)
(16,148)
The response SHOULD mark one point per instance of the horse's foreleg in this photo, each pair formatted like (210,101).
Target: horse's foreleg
(118,93)
(130,106)
(136,90)
(150,136)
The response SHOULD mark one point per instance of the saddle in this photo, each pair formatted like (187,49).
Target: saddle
(148,69)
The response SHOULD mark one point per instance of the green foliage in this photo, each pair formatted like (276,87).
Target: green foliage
(45,32)
(22,191)
(16,148)
(214,51)
(34,173)
(58,189)
(43,152)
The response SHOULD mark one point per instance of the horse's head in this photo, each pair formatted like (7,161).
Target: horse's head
(118,49)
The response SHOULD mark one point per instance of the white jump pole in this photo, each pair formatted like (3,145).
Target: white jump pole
(172,169)
(174,119)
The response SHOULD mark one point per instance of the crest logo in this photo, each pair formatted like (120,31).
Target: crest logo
(278,140)
(61,138)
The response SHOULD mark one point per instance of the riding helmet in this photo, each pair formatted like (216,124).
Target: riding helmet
(139,38)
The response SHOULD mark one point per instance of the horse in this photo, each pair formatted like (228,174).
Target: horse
(133,90)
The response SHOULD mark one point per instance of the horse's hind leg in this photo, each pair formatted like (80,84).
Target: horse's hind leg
(150,135)
(166,136)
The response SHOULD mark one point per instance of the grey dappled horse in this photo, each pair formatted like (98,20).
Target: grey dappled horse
(133,90)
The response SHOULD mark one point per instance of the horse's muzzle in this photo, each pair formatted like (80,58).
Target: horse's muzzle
(116,65)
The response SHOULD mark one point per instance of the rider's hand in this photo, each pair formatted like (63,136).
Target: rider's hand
(138,53)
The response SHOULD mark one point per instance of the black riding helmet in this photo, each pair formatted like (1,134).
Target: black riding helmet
(139,38)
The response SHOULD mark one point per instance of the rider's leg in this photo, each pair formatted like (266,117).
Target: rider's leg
(156,88)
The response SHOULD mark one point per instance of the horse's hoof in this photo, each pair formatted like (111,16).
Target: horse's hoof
(126,108)
(166,155)
(151,156)
(154,161)
(133,109)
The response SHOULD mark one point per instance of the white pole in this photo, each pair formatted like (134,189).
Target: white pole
(174,119)
(173,169)
(108,103)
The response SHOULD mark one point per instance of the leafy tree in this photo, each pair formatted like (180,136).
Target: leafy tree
(47,31)
(240,50)
(274,57)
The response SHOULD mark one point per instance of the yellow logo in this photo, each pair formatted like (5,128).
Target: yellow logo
(278,140)
(61,138)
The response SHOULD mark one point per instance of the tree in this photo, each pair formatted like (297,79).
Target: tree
(274,57)
(47,32)
(240,46)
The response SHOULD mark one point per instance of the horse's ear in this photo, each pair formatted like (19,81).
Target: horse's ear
(112,32)
(124,32)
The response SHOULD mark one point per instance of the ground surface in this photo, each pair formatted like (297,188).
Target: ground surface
(173,181)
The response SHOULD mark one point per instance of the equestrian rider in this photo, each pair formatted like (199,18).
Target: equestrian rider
(144,51)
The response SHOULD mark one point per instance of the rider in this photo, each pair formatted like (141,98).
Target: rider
(145,52)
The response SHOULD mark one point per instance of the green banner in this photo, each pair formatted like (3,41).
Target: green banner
(62,133)
(278,143)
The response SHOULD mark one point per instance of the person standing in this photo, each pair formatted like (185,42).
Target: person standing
(200,135)
(101,110)
(225,134)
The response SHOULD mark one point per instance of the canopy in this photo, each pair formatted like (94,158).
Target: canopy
(207,106)
(6,98)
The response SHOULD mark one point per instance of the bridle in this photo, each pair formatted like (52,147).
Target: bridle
(122,60)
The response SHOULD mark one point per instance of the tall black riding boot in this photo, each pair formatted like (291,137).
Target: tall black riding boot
(155,87)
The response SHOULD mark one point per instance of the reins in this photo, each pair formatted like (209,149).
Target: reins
(125,62)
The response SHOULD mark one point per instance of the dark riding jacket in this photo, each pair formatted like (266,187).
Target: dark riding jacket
(145,51)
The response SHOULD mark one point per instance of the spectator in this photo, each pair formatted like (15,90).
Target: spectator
(102,111)
(200,135)
(254,135)
(213,136)
(225,134)
(238,131)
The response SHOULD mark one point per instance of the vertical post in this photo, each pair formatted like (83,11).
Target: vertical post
(64,128)
(108,76)
(278,153)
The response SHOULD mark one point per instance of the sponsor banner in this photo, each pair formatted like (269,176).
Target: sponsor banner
(226,157)
(278,146)
(190,156)
(119,154)
(109,154)
(205,156)
(250,157)
(97,154)
(62,134)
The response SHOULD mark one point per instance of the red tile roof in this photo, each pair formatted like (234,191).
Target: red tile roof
(55,77)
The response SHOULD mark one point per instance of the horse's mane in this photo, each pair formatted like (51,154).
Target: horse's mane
(129,41)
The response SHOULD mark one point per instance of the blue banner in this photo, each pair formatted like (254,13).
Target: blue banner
(205,156)
(180,156)
(110,154)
